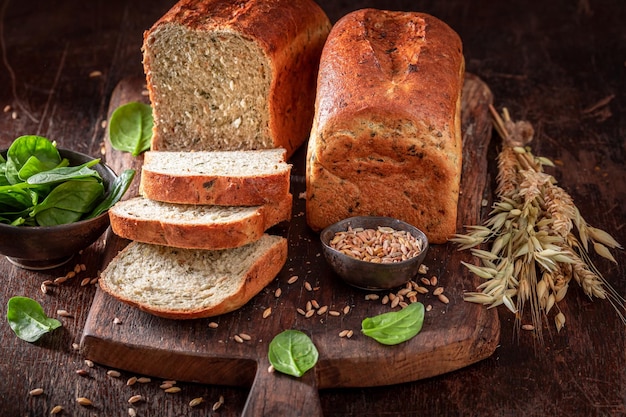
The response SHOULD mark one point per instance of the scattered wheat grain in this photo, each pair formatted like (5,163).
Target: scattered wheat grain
(172,390)
(213,325)
(443,298)
(421,290)
(292,280)
(196,402)
(113,373)
(84,401)
(35,392)
(56,409)
(60,280)
(278,292)
(438,291)
(267,312)
(135,399)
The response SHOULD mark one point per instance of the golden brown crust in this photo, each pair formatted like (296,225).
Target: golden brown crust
(201,236)
(386,139)
(290,32)
(222,191)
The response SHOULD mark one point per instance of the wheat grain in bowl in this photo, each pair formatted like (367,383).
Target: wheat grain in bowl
(374,252)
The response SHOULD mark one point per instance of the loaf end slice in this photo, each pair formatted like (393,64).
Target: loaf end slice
(195,226)
(226,75)
(187,284)
(226,178)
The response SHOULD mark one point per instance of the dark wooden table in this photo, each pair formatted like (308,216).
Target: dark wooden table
(560,64)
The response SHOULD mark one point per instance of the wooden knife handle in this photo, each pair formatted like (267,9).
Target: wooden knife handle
(276,394)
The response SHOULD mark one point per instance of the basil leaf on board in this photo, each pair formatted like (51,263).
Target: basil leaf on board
(119,188)
(28,320)
(130,128)
(292,352)
(395,327)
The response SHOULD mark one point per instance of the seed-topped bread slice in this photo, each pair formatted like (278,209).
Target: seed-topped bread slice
(185,284)
(227,178)
(195,226)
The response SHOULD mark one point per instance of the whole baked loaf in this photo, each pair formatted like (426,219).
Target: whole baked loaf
(186,284)
(225,74)
(386,136)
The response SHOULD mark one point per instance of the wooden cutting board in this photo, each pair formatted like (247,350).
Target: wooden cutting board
(453,336)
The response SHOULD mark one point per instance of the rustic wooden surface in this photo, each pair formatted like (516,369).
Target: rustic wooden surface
(454,335)
(559,64)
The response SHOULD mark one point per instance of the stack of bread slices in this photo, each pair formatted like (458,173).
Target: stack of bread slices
(199,242)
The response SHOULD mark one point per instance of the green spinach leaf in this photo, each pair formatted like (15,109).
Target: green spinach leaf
(130,128)
(28,320)
(292,352)
(60,174)
(30,154)
(119,188)
(395,327)
(68,202)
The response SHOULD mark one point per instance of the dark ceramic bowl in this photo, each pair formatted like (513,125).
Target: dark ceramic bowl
(37,247)
(369,275)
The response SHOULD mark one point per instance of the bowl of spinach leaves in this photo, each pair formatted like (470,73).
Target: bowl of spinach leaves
(53,202)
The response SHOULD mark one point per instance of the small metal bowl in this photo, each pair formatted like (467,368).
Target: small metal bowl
(369,275)
(46,247)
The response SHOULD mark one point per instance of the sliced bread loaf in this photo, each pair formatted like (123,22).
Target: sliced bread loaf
(226,75)
(195,226)
(226,178)
(186,284)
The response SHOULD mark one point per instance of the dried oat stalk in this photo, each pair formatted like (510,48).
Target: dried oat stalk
(537,241)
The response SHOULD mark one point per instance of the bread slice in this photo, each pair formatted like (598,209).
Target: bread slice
(187,284)
(226,75)
(386,136)
(195,226)
(226,178)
